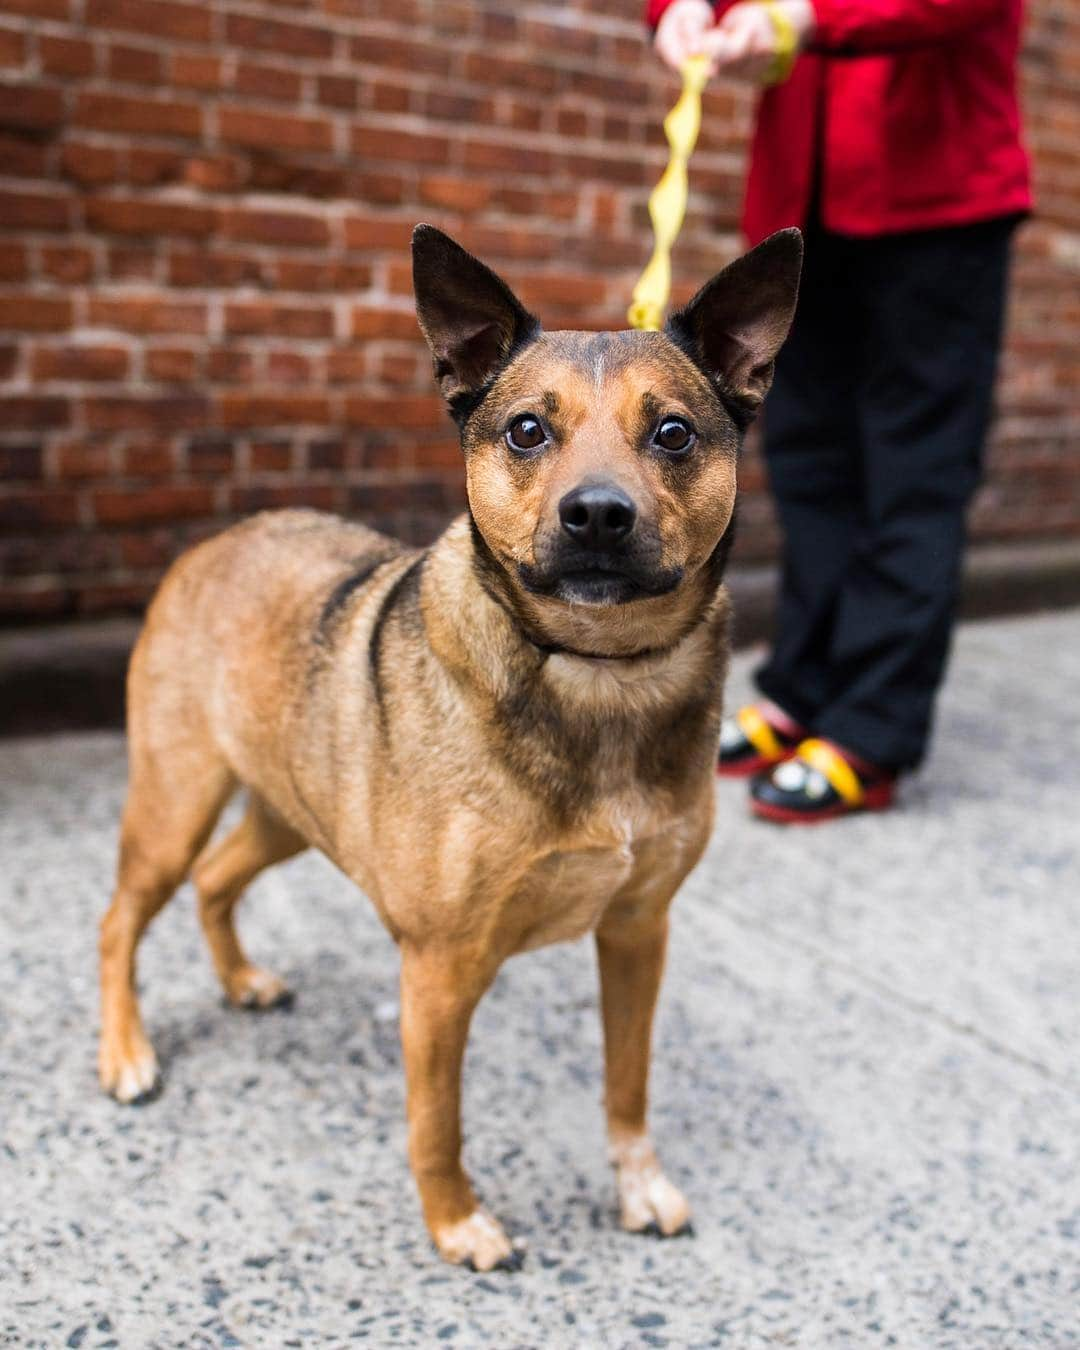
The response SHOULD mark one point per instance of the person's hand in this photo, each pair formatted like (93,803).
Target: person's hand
(681,31)
(744,42)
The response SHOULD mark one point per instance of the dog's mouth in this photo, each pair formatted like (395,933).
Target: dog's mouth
(598,580)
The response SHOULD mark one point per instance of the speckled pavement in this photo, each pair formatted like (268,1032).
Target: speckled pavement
(867,1080)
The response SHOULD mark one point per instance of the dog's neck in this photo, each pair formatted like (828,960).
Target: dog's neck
(493,639)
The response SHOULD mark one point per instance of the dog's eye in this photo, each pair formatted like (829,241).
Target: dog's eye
(674,436)
(525,433)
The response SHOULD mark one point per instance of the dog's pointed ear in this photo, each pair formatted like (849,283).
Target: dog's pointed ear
(737,322)
(470,317)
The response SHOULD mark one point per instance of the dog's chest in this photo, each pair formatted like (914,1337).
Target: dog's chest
(623,848)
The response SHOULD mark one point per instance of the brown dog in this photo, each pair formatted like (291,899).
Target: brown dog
(506,739)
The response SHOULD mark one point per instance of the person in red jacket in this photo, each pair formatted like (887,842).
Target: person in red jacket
(893,139)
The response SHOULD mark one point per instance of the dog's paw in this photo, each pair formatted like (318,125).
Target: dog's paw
(648,1202)
(128,1069)
(254,988)
(480,1243)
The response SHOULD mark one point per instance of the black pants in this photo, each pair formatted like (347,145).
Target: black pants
(873,439)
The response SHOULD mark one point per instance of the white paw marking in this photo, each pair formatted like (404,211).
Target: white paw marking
(479,1239)
(645,1194)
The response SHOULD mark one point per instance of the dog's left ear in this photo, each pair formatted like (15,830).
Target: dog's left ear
(737,322)
(470,317)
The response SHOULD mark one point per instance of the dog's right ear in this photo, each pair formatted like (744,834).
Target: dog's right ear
(471,319)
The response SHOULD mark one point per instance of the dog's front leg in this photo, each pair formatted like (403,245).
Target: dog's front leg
(631,954)
(439,990)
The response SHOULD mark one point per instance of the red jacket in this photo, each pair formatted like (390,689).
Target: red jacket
(913,105)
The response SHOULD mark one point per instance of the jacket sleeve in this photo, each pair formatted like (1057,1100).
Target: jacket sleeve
(864,27)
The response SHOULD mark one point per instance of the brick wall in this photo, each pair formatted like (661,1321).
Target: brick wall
(204,282)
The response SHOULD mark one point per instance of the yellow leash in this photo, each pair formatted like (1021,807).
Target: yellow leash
(667,204)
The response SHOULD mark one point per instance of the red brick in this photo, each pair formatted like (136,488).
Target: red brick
(66,56)
(240,126)
(296,275)
(377,142)
(149,167)
(190,23)
(20,461)
(150,116)
(195,70)
(266,409)
(132,412)
(79,363)
(132,505)
(278,320)
(271,456)
(287,367)
(83,460)
(146,314)
(264,496)
(9,359)
(91,165)
(149,459)
(172,364)
(35,313)
(47,507)
(412,411)
(374,321)
(383,96)
(509,156)
(211,455)
(33,413)
(23,158)
(35,107)
(462,108)
(34,211)
(134,65)
(229,365)
(326,455)
(337,91)
(274,82)
(291,39)
(216,269)
(12,48)
(377,232)
(455,193)
(346,366)
(214,173)
(390,53)
(147,216)
(67,263)
(132,262)
(276,227)
(39,9)
(13,261)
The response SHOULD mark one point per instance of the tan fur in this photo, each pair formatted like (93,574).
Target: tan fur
(416,716)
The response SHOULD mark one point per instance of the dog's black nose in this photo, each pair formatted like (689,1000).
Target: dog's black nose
(597,515)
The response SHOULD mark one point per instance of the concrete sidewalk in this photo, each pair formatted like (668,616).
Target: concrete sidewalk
(867,1080)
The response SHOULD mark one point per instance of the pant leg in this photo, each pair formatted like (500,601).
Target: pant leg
(933,333)
(813,458)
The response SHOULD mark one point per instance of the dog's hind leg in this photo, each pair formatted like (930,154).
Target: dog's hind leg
(220,875)
(174,799)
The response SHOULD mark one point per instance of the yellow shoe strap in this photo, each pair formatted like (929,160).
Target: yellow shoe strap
(758,732)
(834,768)
(667,205)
